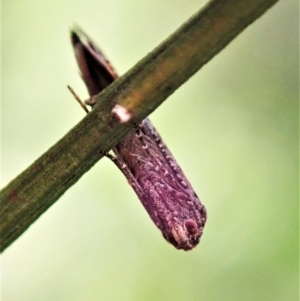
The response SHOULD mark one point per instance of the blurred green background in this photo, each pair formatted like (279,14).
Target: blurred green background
(233,128)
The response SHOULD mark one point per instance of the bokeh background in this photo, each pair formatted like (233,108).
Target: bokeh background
(233,128)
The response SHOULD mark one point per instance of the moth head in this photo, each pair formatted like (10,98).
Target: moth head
(186,236)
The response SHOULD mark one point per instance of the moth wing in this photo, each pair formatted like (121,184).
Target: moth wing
(96,71)
(151,132)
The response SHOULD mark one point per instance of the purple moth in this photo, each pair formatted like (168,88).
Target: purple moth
(145,160)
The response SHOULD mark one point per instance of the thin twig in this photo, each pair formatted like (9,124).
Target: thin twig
(141,90)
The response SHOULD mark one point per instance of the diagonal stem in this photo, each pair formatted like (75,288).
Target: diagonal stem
(141,90)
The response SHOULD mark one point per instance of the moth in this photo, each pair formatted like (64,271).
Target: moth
(145,160)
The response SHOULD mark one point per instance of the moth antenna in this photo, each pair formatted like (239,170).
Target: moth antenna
(139,134)
(82,104)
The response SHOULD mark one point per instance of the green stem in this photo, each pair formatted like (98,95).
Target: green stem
(141,90)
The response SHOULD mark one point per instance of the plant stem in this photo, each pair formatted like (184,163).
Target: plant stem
(141,90)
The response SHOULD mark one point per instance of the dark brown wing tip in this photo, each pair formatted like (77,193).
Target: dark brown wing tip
(78,35)
(74,38)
